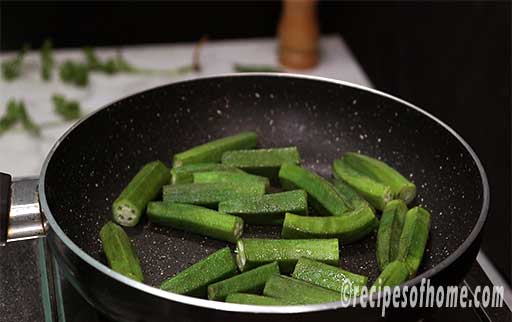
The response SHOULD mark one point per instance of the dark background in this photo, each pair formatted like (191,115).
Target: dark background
(451,58)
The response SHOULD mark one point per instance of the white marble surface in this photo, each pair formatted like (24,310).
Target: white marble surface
(23,155)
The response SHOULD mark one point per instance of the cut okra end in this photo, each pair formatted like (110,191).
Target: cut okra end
(145,186)
(241,260)
(407,193)
(125,213)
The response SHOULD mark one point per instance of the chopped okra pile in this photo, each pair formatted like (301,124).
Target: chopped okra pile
(216,188)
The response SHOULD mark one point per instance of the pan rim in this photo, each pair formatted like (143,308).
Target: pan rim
(231,307)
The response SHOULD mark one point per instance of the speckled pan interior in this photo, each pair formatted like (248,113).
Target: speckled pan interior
(324,119)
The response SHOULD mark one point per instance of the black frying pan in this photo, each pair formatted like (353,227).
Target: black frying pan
(92,163)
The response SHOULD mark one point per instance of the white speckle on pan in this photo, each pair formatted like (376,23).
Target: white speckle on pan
(257,95)
(219,112)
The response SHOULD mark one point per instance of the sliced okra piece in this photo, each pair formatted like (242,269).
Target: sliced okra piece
(195,279)
(253,299)
(213,150)
(329,277)
(267,209)
(144,187)
(264,162)
(376,193)
(347,229)
(184,174)
(251,281)
(390,229)
(210,194)
(254,252)
(395,273)
(121,255)
(413,239)
(298,292)
(236,178)
(321,193)
(196,219)
(380,171)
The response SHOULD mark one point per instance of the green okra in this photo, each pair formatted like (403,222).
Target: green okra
(121,255)
(394,274)
(264,162)
(195,279)
(321,193)
(213,150)
(329,277)
(376,193)
(196,219)
(230,177)
(251,281)
(390,229)
(347,229)
(184,174)
(210,194)
(253,252)
(253,299)
(267,209)
(413,239)
(351,196)
(298,292)
(144,187)
(383,173)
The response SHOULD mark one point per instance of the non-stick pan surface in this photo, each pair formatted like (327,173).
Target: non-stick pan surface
(97,159)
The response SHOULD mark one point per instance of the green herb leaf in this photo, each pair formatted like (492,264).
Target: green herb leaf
(240,68)
(16,112)
(27,122)
(10,117)
(68,109)
(110,66)
(74,73)
(11,68)
(92,61)
(47,61)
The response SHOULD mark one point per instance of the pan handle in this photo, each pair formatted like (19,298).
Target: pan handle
(20,213)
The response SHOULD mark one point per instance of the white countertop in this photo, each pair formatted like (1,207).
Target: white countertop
(23,155)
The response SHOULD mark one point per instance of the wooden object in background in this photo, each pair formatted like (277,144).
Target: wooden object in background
(298,34)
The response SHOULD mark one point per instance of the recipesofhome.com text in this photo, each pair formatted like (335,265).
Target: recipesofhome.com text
(425,295)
